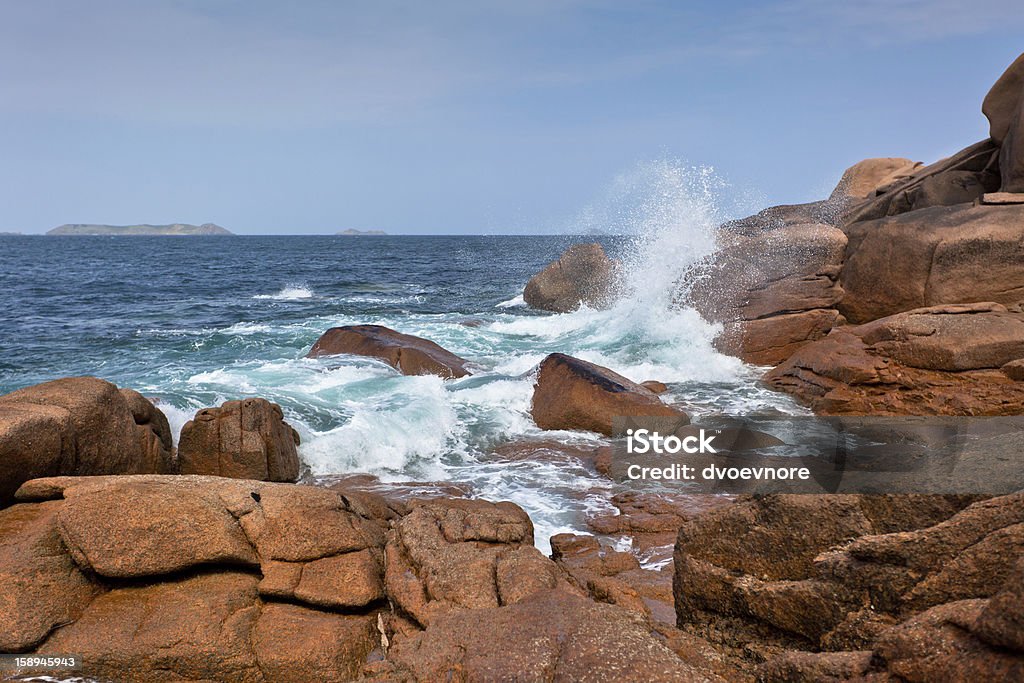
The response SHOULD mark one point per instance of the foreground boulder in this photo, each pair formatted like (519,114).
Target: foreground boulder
(552,636)
(246,439)
(406,353)
(573,394)
(755,576)
(943,360)
(941,255)
(77,426)
(201,578)
(582,275)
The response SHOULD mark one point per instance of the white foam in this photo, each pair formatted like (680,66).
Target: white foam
(514,302)
(289,293)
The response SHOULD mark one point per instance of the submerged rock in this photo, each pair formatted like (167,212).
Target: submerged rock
(408,354)
(583,274)
(79,426)
(573,394)
(942,360)
(246,439)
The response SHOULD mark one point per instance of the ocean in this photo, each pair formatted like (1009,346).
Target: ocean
(196,321)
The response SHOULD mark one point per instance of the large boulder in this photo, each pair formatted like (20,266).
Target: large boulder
(573,394)
(246,439)
(864,178)
(583,274)
(79,426)
(408,354)
(941,255)
(1005,114)
(942,360)
(175,578)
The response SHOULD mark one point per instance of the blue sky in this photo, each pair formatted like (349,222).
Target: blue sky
(466,117)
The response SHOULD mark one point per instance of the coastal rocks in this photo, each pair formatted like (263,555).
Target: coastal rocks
(408,354)
(941,255)
(551,636)
(583,274)
(962,178)
(186,582)
(875,577)
(942,360)
(463,554)
(246,439)
(1003,108)
(573,394)
(775,289)
(865,177)
(78,426)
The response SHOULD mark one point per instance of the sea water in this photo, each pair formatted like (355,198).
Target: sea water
(196,321)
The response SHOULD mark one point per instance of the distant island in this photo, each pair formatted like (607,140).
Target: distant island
(145,229)
(352,231)
(9,234)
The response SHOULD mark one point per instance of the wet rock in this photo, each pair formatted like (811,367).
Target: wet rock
(551,636)
(583,274)
(78,426)
(655,386)
(942,360)
(573,394)
(775,290)
(940,255)
(246,439)
(408,354)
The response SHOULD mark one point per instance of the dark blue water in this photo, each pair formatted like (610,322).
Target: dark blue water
(195,321)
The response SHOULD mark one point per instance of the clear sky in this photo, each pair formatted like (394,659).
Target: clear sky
(466,117)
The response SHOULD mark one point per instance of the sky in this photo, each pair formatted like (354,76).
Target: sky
(467,117)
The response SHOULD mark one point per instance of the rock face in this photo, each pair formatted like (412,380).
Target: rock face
(583,274)
(552,636)
(246,439)
(866,177)
(941,360)
(79,425)
(406,353)
(941,255)
(873,581)
(202,578)
(775,290)
(573,394)
(1003,108)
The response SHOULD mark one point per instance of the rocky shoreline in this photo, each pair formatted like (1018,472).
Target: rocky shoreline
(219,560)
